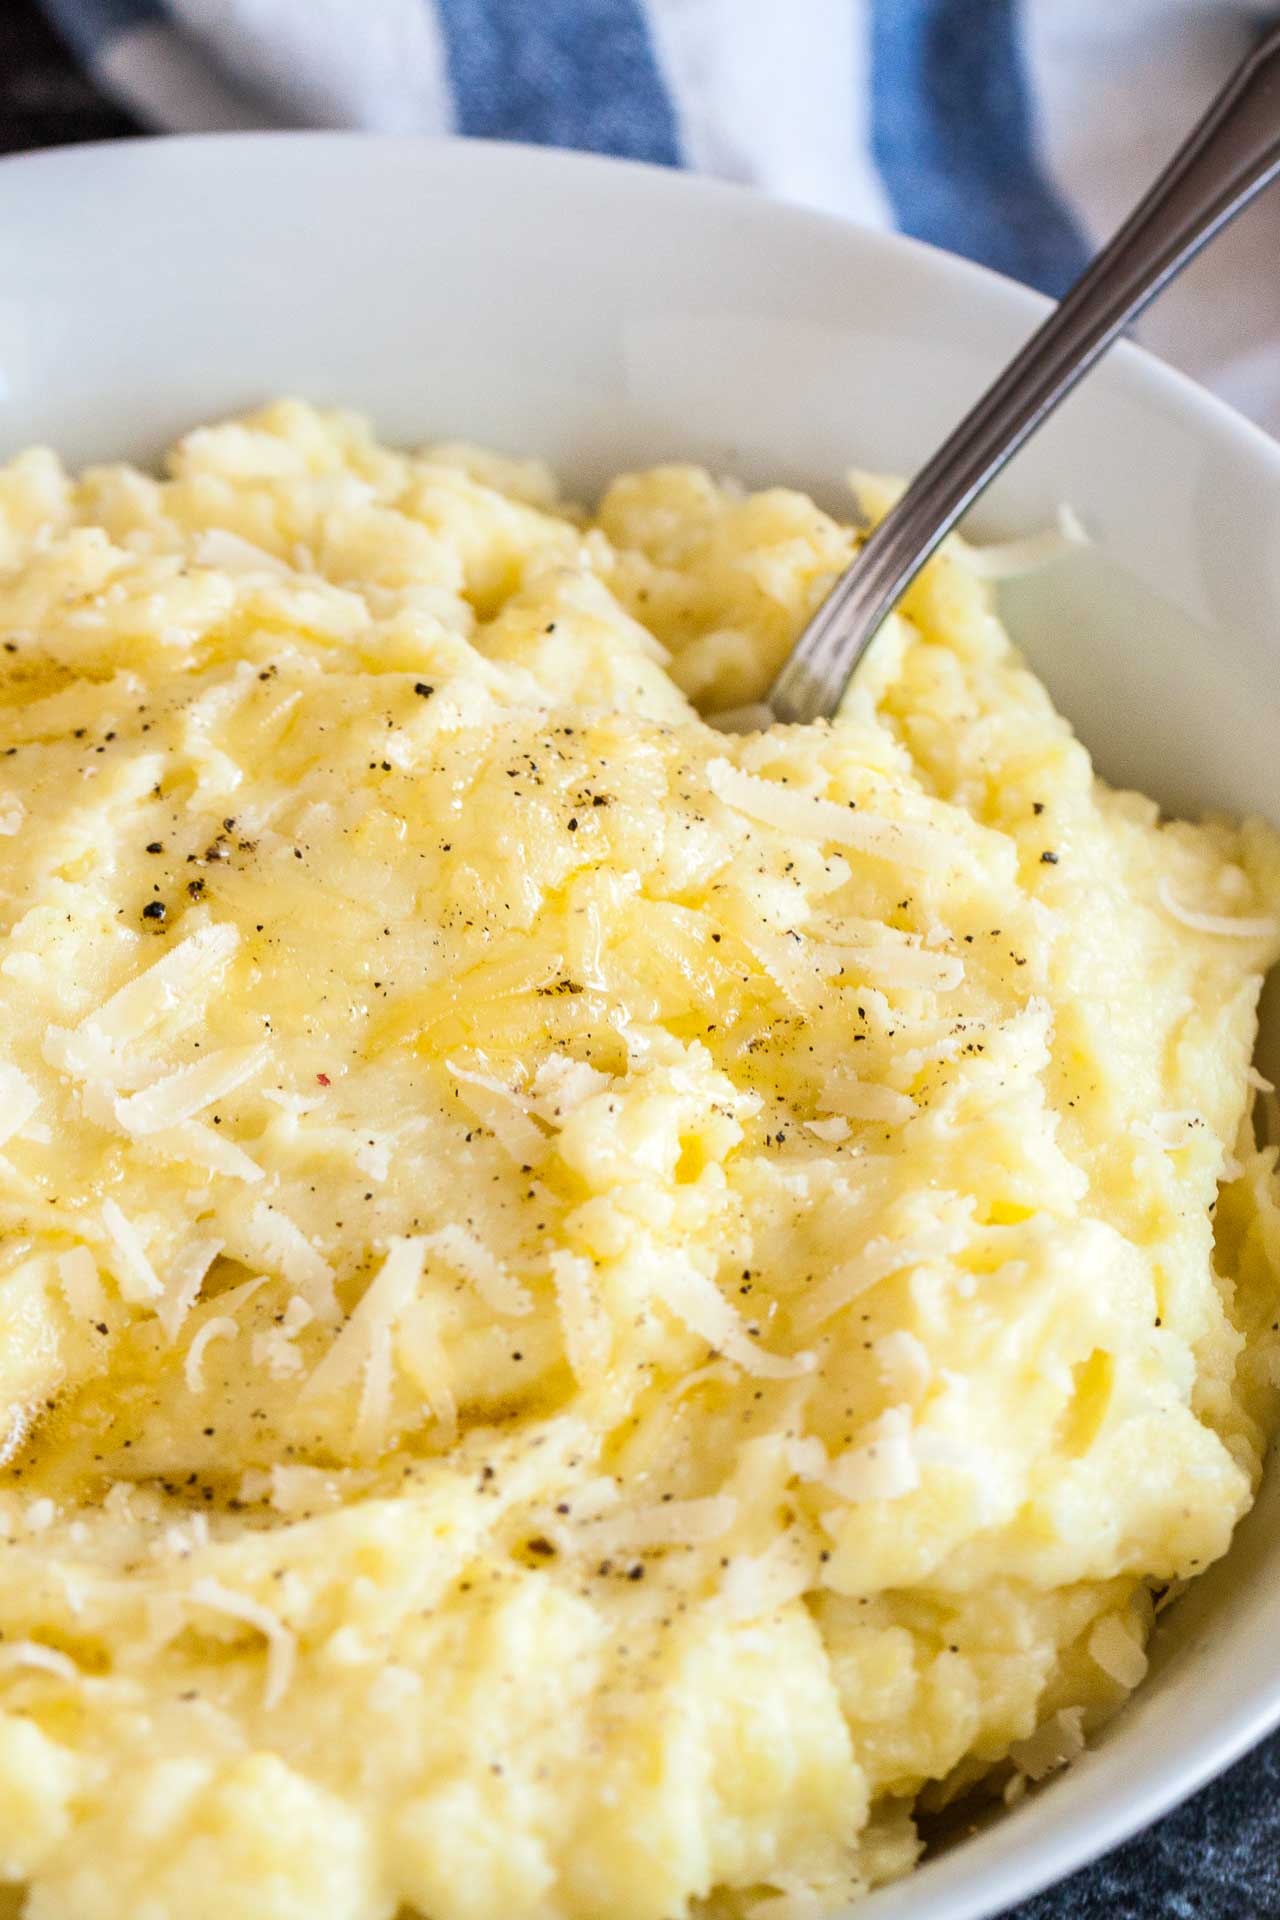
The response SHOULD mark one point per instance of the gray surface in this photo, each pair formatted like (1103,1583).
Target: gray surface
(1217,1858)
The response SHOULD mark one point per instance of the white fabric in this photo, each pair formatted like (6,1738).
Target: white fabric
(784,94)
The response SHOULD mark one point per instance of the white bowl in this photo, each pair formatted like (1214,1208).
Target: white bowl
(604,315)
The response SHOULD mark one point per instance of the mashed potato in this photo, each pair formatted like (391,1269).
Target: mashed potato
(589,1308)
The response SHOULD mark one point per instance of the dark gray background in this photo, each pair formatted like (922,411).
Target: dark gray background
(1217,1858)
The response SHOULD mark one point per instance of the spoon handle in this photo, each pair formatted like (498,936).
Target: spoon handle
(1233,153)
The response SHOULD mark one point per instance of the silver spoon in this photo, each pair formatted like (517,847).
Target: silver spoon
(1233,153)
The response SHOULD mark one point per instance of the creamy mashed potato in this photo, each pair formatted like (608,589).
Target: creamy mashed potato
(589,1308)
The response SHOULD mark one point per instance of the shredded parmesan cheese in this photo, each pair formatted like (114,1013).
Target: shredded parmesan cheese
(895,963)
(171,984)
(561,1085)
(277,1241)
(757,1584)
(220,1327)
(29,1655)
(184,1281)
(882,1467)
(373,1415)
(864,1100)
(806,815)
(1231,926)
(363,1347)
(672,1523)
(588,1337)
(135,1275)
(78,1272)
(877,1261)
(229,553)
(181,1095)
(420,1351)
(502,1111)
(1056,1743)
(18,1101)
(799,964)
(282,1646)
(204,1147)
(696,1300)
(466,1254)
(1116,1651)
(904,1362)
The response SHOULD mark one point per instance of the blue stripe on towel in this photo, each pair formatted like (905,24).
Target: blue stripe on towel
(90,25)
(563,73)
(953,138)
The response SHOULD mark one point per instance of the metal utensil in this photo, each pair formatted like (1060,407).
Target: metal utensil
(1232,154)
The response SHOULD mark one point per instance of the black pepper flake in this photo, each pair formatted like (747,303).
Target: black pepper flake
(1049,859)
(195,888)
(1037,806)
(154,910)
(423,691)
(541,1546)
(155,846)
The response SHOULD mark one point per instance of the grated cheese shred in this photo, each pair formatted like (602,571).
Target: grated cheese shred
(282,1646)
(1229,926)
(919,848)
(221,1327)
(461,1249)
(135,1275)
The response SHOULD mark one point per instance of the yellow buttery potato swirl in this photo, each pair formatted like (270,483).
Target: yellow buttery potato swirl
(586,1306)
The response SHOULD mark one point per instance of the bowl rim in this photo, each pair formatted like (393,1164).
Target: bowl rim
(1082,1835)
(1141,362)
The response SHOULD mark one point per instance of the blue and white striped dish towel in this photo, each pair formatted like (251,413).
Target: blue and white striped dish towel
(1015,131)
